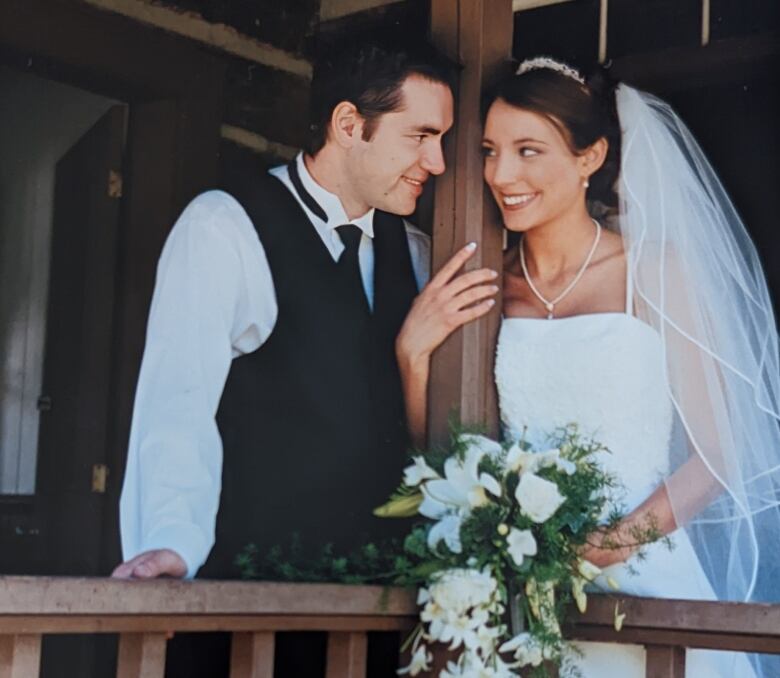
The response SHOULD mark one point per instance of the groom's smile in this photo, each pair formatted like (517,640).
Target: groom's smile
(390,169)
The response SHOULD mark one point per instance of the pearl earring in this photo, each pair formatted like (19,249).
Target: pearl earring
(585,183)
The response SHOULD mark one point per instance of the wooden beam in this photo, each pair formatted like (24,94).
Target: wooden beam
(100,51)
(664,661)
(220,36)
(256,142)
(523,5)
(20,655)
(347,654)
(336,9)
(717,63)
(141,655)
(252,655)
(478,33)
(246,623)
(97,596)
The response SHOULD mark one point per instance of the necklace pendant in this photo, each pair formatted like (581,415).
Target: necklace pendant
(549,306)
(550,316)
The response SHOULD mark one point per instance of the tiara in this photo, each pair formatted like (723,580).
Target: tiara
(551,64)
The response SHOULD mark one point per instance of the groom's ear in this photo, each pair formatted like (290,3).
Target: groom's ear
(346,124)
(593,157)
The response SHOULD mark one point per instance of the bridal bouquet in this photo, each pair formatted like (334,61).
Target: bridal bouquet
(505,527)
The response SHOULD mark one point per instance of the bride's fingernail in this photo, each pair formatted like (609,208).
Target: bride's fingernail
(491,302)
(494,274)
(471,246)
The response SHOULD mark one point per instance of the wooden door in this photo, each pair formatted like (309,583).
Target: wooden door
(77,362)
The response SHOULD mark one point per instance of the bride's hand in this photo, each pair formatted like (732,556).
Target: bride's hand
(603,558)
(446,303)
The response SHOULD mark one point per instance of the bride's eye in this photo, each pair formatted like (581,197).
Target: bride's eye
(488,152)
(528,152)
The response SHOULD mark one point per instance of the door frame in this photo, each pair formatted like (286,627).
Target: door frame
(174,89)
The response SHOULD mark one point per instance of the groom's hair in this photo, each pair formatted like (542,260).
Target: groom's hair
(370,74)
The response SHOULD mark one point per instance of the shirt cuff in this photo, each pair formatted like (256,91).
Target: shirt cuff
(186,540)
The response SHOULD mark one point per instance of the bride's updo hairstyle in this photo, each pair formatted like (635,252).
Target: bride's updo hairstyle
(582,112)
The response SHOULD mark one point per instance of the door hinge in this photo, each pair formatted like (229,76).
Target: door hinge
(99,475)
(114,184)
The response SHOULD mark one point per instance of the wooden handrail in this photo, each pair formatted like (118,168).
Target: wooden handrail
(746,627)
(143,612)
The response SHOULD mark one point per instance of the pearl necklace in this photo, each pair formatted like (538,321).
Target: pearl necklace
(550,305)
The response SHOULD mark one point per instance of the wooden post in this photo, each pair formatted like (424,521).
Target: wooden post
(141,655)
(478,34)
(665,661)
(252,655)
(347,655)
(20,656)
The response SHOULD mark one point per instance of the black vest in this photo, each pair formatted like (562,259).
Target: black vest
(312,422)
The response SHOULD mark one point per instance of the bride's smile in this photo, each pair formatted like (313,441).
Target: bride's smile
(535,173)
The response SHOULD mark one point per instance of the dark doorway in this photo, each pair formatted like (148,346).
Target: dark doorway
(41,120)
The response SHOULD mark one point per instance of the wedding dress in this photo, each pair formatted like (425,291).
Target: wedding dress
(605,373)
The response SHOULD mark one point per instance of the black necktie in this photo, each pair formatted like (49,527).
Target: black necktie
(348,262)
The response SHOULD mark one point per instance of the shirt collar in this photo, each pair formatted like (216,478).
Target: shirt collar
(331,204)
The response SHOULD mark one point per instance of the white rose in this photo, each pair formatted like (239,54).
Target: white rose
(538,498)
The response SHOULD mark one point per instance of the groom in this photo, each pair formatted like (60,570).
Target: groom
(269,399)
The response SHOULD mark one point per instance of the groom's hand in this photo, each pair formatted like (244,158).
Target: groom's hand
(150,564)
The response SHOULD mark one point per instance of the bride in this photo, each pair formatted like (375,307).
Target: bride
(635,306)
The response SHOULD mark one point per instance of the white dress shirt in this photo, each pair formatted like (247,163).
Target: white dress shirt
(214,300)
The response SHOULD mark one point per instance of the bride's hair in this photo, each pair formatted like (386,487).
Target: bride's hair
(582,113)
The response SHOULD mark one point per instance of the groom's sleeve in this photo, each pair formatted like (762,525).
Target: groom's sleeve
(200,311)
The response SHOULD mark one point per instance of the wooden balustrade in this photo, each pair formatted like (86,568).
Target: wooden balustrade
(667,627)
(144,613)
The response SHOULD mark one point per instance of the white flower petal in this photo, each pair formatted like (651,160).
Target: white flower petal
(538,498)
(446,493)
(481,443)
(417,472)
(430,507)
(490,484)
(448,531)
(521,543)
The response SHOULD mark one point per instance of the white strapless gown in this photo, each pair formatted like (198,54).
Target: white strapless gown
(605,372)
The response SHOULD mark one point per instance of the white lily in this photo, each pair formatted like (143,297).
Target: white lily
(418,472)
(474,441)
(538,498)
(421,661)
(553,458)
(462,487)
(520,543)
(447,530)
(526,650)
(521,461)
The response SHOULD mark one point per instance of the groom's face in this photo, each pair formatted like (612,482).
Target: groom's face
(388,170)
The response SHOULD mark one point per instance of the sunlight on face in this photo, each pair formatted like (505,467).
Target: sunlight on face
(389,170)
(533,174)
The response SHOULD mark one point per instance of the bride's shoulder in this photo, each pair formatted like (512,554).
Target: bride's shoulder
(610,255)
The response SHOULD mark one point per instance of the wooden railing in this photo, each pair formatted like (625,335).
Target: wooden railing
(667,627)
(144,614)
